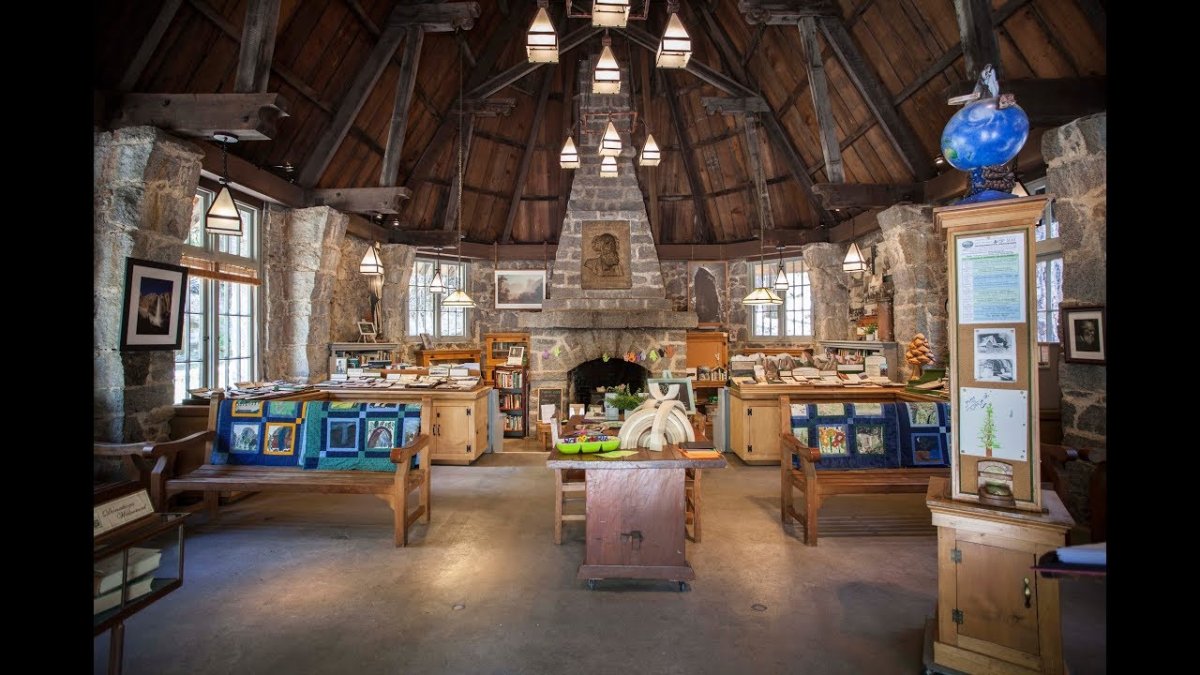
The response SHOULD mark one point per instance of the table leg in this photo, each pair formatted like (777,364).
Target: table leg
(116,648)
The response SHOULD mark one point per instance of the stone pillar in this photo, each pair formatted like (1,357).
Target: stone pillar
(913,252)
(351,300)
(398,262)
(303,249)
(144,182)
(830,291)
(1076,175)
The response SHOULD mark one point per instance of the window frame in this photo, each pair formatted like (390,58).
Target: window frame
(770,270)
(464,268)
(1046,252)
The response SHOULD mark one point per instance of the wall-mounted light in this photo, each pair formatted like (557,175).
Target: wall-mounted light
(371,264)
(610,13)
(651,156)
(610,145)
(855,262)
(541,40)
(607,77)
(223,216)
(608,167)
(569,158)
(675,48)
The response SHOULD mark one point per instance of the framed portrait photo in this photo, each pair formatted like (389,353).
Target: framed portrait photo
(520,289)
(1084,339)
(154,297)
(366,329)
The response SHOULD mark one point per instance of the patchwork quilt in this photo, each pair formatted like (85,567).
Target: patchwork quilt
(874,435)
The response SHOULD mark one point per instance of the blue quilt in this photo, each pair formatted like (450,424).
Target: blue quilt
(264,433)
(357,436)
(874,435)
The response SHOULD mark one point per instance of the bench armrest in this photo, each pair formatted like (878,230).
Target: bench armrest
(405,454)
(152,449)
(792,446)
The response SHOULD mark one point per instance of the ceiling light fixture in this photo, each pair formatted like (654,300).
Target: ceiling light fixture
(223,216)
(781,279)
(459,298)
(651,156)
(607,77)
(610,145)
(436,285)
(569,158)
(675,48)
(610,13)
(541,40)
(763,294)
(371,265)
(608,167)
(855,262)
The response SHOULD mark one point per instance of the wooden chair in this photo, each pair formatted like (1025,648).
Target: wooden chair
(1054,467)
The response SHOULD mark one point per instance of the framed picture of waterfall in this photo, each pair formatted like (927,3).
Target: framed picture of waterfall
(708,291)
(154,296)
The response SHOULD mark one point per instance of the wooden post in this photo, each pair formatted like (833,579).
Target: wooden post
(414,37)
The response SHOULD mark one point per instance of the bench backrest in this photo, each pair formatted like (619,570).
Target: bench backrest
(338,435)
(874,435)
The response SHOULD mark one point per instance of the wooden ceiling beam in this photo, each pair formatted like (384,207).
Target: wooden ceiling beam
(535,127)
(819,88)
(855,195)
(762,196)
(364,82)
(785,12)
(975,29)
(445,17)
(666,252)
(361,227)
(861,224)
(360,200)
(414,37)
(689,164)
(133,72)
(877,98)
(251,117)
(257,47)
(778,237)
(516,72)
(729,105)
(1097,18)
(435,238)
(1050,101)
(250,179)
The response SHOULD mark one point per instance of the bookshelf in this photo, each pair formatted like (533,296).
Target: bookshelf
(512,385)
(495,350)
(341,353)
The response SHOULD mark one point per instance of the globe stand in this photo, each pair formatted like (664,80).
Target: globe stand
(989,183)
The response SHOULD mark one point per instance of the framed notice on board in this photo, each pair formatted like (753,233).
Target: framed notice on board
(991,278)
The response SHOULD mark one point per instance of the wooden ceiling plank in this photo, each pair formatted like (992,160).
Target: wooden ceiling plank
(414,37)
(257,46)
(535,128)
(689,162)
(819,88)
(133,72)
(1096,17)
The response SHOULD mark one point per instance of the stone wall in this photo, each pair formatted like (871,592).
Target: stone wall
(301,259)
(913,252)
(144,181)
(1076,175)
(830,291)
(351,292)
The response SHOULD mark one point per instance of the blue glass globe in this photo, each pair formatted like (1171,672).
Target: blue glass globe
(983,134)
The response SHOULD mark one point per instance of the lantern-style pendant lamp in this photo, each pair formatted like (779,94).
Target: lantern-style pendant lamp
(541,40)
(854,261)
(608,167)
(222,216)
(371,265)
(610,145)
(651,155)
(607,77)
(569,158)
(675,48)
(610,13)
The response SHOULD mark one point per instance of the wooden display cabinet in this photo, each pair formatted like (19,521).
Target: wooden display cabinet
(707,349)
(754,430)
(434,357)
(459,430)
(495,351)
(995,614)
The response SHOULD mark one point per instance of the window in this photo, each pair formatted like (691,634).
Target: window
(222,302)
(425,311)
(794,317)
(1049,267)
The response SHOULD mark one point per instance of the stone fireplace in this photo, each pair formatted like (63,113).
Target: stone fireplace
(587,376)
(578,325)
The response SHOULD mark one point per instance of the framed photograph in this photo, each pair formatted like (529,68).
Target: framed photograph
(367,330)
(605,258)
(683,393)
(520,289)
(1084,339)
(154,296)
(708,290)
(516,356)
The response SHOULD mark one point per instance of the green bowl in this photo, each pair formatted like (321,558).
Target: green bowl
(568,448)
(592,446)
(611,444)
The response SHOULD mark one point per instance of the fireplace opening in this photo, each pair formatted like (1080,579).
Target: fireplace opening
(589,375)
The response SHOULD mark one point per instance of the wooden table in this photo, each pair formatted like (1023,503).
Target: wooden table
(635,514)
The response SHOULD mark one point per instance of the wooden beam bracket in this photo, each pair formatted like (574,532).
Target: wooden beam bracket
(436,18)
(360,200)
(859,195)
(251,117)
(785,12)
(729,105)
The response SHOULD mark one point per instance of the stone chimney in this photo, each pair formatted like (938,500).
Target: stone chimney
(605,199)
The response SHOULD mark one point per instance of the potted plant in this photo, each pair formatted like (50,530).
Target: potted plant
(624,401)
(872,331)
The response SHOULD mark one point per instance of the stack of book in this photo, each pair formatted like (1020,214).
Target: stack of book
(106,577)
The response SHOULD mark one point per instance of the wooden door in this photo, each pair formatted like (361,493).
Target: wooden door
(991,583)
(454,433)
(762,432)
(737,426)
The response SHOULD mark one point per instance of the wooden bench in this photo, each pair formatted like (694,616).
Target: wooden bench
(398,488)
(815,485)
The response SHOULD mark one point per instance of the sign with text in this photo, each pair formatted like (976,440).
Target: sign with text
(122,511)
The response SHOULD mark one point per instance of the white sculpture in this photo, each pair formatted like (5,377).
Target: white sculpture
(656,423)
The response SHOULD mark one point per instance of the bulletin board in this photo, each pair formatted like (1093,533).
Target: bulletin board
(993,351)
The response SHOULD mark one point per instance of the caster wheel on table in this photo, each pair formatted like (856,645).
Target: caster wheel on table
(683,586)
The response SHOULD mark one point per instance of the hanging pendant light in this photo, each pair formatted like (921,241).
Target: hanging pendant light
(436,285)
(459,298)
(569,158)
(610,13)
(371,265)
(607,77)
(608,167)
(781,279)
(675,48)
(541,40)
(762,294)
(651,155)
(610,145)
(223,216)
(854,261)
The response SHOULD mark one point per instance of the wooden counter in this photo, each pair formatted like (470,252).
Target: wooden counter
(755,421)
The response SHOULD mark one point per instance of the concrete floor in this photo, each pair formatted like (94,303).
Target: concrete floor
(312,584)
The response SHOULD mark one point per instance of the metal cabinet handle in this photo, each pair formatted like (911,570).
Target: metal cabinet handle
(1028,592)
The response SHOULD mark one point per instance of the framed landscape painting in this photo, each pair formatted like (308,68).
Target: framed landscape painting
(520,289)
(154,295)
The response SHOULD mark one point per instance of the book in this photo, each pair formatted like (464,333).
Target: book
(107,572)
(700,454)
(1084,554)
(696,445)
(137,588)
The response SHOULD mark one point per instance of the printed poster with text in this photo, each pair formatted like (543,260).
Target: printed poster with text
(991,278)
